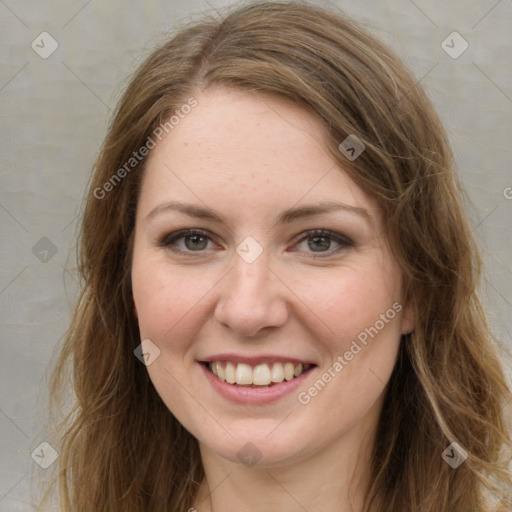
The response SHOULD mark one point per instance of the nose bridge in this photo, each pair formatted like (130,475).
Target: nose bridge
(251,298)
(251,278)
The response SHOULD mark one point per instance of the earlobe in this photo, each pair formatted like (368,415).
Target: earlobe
(408,319)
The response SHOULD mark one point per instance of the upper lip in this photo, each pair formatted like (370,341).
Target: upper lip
(255,360)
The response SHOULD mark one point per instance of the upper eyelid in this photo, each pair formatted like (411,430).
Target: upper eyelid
(183,233)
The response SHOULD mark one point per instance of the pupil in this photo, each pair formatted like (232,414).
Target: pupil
(324,245)
(195,239)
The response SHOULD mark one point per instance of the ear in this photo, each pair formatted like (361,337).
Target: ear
(408,318)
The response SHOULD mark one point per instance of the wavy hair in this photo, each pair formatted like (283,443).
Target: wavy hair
(120,448)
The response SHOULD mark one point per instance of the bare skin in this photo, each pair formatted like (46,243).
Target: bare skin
(249,158)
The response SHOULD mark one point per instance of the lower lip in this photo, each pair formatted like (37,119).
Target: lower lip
(250,395)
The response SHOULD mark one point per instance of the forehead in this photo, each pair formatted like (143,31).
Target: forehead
(230,126)
(236,142)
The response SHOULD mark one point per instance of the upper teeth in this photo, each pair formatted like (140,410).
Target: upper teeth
(261,375)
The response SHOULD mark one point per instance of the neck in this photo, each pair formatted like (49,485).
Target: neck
(334,479)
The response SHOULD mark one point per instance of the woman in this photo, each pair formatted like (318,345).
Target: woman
(279,308)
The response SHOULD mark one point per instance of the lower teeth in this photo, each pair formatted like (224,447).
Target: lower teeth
(258,385)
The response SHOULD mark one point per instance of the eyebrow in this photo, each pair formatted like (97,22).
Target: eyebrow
(286,217)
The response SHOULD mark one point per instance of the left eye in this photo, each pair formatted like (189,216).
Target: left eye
(320,241)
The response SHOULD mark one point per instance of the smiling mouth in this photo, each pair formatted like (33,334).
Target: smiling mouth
(261,375)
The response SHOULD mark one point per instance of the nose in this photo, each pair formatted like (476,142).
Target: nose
(252,299)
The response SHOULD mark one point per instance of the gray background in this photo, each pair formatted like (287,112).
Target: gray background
(54,113)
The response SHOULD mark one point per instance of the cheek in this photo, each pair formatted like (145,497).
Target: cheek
(165,296)
(361,308)
(351,300)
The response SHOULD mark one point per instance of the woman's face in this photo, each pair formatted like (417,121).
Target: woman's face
(285,264)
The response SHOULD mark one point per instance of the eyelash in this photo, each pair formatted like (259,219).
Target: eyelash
(168,240)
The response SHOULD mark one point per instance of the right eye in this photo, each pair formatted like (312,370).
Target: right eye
(186,241)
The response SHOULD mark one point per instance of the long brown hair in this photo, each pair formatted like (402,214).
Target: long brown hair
(120,448)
